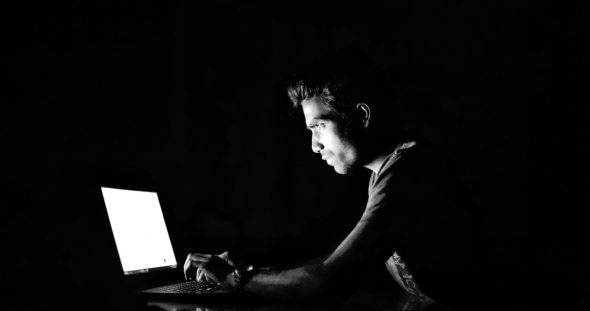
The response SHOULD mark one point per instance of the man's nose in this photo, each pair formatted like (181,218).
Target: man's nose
(316,146)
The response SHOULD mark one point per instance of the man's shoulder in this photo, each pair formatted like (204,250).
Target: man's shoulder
(415,168)
(412,158)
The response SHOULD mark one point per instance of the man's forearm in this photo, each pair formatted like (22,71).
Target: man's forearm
(299,282)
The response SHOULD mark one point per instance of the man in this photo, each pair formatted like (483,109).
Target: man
(408,217)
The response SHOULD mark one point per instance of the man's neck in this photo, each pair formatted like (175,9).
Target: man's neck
(377,162)
(378,151)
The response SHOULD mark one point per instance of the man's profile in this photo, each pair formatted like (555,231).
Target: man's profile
(409,223)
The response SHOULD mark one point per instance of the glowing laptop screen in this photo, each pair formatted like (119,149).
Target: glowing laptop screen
(139,229)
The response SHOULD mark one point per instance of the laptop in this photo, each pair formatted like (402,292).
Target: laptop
(144,245)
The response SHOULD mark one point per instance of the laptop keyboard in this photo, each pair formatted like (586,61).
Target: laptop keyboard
(190,287)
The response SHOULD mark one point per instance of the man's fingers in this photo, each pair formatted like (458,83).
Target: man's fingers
(199,257)
(199,268)
(197,264)
(203,275)
(186,268)
(206,267)
(209,276)
(225,257)
(193,260)
(199,275)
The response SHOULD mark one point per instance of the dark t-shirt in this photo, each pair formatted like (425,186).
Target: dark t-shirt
(411,224)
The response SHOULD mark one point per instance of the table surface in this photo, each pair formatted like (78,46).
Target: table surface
(403,303)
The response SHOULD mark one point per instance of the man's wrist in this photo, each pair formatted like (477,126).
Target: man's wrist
(240,277)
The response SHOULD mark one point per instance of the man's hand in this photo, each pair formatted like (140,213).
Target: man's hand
(216,268)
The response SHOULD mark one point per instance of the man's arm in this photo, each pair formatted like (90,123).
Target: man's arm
(366,247)
(361,251)
(298,282)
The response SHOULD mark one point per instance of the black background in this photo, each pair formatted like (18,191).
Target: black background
(188,99)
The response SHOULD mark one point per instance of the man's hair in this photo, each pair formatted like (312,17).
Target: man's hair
(326,89)
(340,81)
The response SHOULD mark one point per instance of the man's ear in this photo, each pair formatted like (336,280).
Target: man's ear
(364,113)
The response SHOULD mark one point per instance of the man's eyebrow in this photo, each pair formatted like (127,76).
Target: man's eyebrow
(323,117)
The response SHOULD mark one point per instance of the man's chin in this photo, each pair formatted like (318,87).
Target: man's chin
(341,170)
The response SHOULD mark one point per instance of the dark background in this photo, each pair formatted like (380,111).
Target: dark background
(188,99)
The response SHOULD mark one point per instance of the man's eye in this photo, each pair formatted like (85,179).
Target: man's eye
(320,126)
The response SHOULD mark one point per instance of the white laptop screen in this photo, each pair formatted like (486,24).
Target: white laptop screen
(139,229)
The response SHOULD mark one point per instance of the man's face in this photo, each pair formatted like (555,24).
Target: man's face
(327,136)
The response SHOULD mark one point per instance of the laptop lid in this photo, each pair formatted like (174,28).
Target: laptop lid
(140,233)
